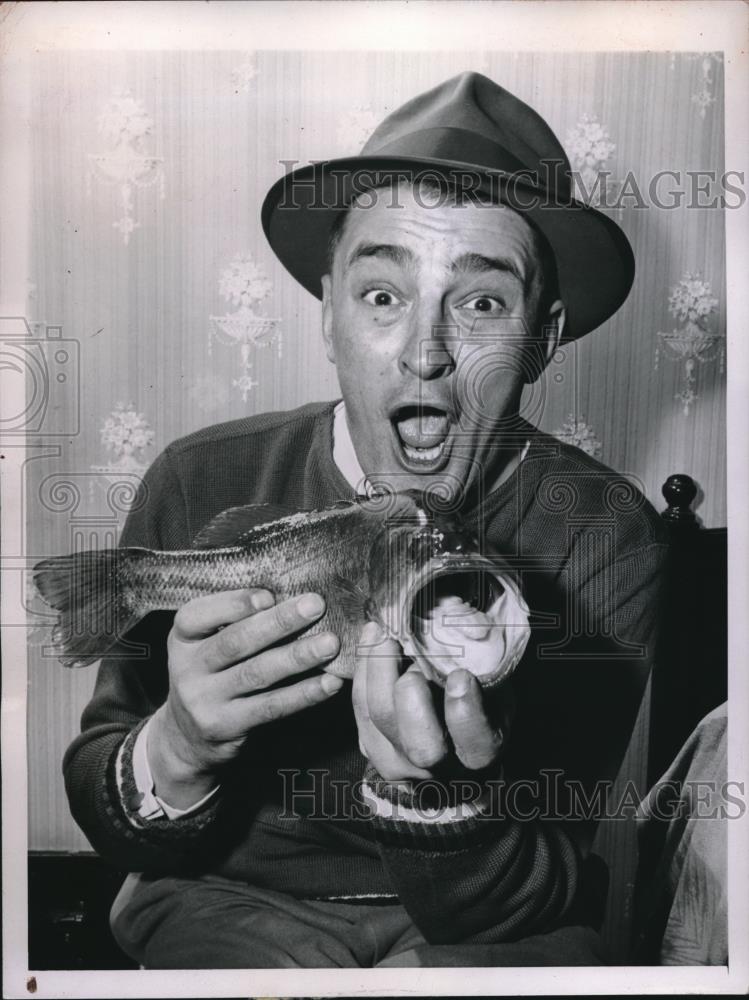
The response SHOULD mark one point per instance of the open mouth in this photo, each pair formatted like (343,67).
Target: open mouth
(467,617)
(460,610)
(462,600)
(422,433)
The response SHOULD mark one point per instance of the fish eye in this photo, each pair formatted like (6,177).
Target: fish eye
(381,298)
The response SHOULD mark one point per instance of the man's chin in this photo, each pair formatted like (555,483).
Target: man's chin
(447,480)
(423,462)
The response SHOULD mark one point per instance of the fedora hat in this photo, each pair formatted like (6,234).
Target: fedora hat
(474,134)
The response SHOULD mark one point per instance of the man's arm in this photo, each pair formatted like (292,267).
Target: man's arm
(131,684)
(205,679)
(461,874)
(464,876)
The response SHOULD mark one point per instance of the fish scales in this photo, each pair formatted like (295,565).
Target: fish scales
(286,563)
(370,559)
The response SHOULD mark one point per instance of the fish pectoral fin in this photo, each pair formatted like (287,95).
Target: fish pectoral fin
(228,527)
(352,599)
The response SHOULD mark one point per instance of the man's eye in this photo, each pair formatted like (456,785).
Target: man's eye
(485,304)
(380,297)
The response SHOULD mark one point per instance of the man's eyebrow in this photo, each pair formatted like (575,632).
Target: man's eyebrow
(399,255)
(481,263)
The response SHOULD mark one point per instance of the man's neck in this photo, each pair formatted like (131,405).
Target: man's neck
(344,456)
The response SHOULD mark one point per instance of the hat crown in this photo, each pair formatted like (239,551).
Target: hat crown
(472,103)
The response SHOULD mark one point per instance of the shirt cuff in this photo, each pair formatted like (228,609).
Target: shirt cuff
(151,805)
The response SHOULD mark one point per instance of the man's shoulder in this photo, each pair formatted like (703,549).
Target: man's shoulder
(569,480)
(281,457)
(232,433)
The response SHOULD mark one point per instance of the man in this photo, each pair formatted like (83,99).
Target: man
(451,261)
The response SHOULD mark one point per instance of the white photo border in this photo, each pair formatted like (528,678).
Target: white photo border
(551,26)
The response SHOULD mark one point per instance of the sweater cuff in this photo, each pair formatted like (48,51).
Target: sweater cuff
(427,813)
(151,805)
(136,801)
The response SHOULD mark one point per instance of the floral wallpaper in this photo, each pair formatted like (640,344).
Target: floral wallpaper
(148,172)
(126,435)
(589,149)
(693,306)
(244,285)
(124,126)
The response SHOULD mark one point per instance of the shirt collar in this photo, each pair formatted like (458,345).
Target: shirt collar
(344,454)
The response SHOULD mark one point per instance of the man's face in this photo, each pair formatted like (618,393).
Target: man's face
(428,315)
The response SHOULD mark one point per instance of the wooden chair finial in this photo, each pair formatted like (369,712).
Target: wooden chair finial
(679,491)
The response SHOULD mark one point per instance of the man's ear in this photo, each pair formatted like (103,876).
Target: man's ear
(327,317)
(552,328)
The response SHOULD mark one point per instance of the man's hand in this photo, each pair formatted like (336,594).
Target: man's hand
(220,669)
(400,731)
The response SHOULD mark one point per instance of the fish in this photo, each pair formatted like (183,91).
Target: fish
(387,558)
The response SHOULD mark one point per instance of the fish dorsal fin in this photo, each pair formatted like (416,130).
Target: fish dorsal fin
(235,525)
(231,525)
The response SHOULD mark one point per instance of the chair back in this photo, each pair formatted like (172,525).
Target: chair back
(691,667)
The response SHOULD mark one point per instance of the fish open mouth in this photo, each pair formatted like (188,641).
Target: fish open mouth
(421,434)
(460,594)
(466,614)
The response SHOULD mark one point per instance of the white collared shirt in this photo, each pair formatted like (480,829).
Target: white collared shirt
(344,453)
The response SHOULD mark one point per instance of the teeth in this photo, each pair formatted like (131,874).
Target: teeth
(423,454)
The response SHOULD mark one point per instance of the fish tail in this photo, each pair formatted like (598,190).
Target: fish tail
(95,603)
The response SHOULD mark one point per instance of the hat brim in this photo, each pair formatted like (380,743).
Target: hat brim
(595,263)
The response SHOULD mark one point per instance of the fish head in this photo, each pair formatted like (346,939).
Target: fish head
(450,604)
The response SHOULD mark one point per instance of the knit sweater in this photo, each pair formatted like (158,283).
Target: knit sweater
(293,813)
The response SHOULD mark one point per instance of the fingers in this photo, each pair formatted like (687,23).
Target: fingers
(253,634)
(383,668)
(204,615)
(477,743)
(400,729)
(227,653)
(397,707)
(374,653)
(274,665)
(377,671)
(243,715)
(421,734)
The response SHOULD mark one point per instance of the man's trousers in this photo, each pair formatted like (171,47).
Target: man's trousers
(213,923)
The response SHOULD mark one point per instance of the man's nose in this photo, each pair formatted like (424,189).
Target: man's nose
(429,351)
